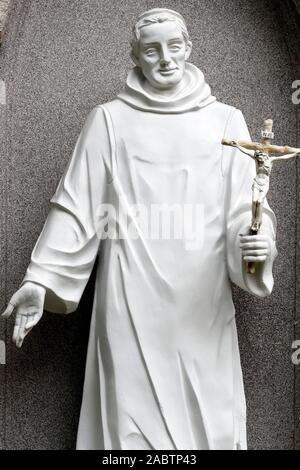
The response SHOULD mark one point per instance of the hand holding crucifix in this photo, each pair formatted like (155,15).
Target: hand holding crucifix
(261,152)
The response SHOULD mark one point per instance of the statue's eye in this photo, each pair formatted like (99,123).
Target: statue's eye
(175,48)
(151,51)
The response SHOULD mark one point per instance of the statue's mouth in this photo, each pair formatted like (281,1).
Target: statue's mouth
(167,71)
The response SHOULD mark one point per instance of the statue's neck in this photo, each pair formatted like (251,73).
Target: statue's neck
(164,93)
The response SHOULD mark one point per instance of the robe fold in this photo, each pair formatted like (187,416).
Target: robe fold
(163,368)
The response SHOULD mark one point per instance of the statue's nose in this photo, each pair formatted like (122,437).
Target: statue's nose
(164,58)
(164,62)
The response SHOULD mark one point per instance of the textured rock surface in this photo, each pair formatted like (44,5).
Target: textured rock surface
(2,271)
(58,60)
(294,41)
(4,4)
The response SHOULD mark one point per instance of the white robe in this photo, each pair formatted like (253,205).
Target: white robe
(163,368)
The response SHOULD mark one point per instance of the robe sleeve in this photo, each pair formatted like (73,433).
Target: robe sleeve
(238,172)
(65,252)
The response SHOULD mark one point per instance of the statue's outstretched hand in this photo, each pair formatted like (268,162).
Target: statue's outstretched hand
(28,303)
(255,247)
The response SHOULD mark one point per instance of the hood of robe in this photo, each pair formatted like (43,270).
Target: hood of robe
(195,93)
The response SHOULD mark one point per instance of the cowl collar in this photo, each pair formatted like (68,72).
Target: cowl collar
(194,95)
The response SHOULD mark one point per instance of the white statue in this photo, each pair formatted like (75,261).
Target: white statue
(163,368)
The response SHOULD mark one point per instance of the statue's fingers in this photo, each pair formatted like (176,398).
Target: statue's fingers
(32,321)
(27,323)
(254,245)
(255,252)
(9,310)
(21,332)
(18,320)
(12,304)
(27,331)
(28,327)
(255,258)
(256,238)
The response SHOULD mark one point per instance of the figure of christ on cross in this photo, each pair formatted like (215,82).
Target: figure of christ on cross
(261,152)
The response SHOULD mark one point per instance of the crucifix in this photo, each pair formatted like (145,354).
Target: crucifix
(261,153)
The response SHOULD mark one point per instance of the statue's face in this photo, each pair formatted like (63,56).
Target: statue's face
(162,54)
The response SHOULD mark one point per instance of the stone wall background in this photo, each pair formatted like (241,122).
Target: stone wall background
(58,60)
(3,11)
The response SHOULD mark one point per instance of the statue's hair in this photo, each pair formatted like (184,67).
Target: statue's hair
(155,18)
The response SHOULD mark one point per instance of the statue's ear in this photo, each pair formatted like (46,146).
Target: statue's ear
(135,59)
(188,50)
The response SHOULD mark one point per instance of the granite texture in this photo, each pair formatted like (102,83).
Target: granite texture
(2,258)
(293,39)
(290,23)
(4,6)
(61,58)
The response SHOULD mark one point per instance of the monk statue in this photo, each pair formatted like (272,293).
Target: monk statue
(163,368)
